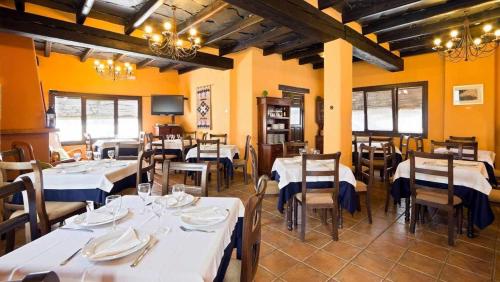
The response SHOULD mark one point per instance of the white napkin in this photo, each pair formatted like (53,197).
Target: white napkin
(125,242)
(97,216)
(203,215)
(171,201)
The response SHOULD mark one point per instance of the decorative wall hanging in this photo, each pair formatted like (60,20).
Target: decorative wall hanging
(204,107)
(468,94)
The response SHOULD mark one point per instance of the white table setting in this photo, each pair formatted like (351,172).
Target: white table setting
(482,155)
(226,151)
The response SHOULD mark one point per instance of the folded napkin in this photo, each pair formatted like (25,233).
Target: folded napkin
(203,215)
(171,201)
(97,216)
(125,242)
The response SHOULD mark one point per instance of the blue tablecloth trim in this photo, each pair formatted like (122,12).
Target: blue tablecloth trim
(228,164)
(236,243)
(482,215)
(347,194)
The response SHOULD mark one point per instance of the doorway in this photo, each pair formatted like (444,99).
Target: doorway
(296,116)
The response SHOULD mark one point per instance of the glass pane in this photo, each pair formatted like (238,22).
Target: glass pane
(358,111)
(410,110)
(379,111)
(128,118)
(100,118)
(295,115)
(69,118)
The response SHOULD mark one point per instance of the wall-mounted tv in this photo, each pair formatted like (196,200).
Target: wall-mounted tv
(167,105)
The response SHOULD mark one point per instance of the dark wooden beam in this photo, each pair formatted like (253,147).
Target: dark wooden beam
(415,52)
(310,60)
(287,46)
(420,15)
(169,66)
(308,21)
(144,63)
(239,26)
(414,31)
(205,13)
(143,14)
(323,4)
(377,7)
(63,32)
(20,6)
(83,10)
(118,57)
(186,70)
(303,52)
(293,89)
(257,39)
(47,48)
(86,54)
(318,66)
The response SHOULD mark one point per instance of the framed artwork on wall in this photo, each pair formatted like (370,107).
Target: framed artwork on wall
(468,94)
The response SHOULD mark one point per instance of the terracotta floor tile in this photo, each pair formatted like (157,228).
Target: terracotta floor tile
(278,262)
(263,275)
(317,239)
(455,274)
(356,239)
(429,250)
(398,239)
(369,229)
(482,241)
(474,250)
(299,250)
(386,249)
(403,273)
(421,263)
(276,238)
(302,272)
(325,262)
(356,274)
(434,238)
(342,249)
(374,263)
(266,249)
(469,263)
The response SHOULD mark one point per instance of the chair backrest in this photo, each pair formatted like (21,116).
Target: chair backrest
(291,149)
(162,150)
(186,144)
(202,149)
(191,134)
(252,232)
(142,141)
(404,144)
(469,149)
(221,137)
(247,147)
(88,142)
(119,155)
(448,172)
(419,143)
(201,170)
(204,136)
(145,165)
(255,166)
(365,165)
(13,155)
(148,141)
(456,148)
(463,138)
(9,225)
(389,157)
(309,172)
(28,152)
(378,139)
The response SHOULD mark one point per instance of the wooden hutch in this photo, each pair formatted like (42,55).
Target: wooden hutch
(274,129)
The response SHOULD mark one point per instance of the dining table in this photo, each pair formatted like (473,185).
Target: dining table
(172,146)
(104,145)
(178,255)
(288,173)
(470,182)
(227,154)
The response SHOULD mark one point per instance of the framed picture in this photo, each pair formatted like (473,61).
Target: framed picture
(468,94)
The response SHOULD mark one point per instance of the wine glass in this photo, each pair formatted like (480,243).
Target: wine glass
(77,156)
(114,204)
(144,190)
(302,151)
(97,156)
(89,154)
(159,207)
(178,191)
(111,154)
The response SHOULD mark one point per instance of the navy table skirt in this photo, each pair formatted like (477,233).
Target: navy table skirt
(347,194)
(228,164)
(123,152)
(236,243)
(491,174)
(482,215)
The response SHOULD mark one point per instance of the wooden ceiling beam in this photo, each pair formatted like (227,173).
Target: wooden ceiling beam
(323,4)
(83,10)
(20,5)
(235,28)
(414,52)
(186,70)
(303,52)
(318,66)
(142,15)
(86,54)
(118,57)
(144,63)
(257,39)
(314,59)
(47,48)
(287,46)
(377,7)
(201,16)
(308,21)
(63,32)
(169,66)
(420,15)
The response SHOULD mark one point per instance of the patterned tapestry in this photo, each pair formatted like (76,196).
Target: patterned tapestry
(204,107)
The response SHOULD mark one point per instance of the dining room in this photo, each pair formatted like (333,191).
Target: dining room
(236,140)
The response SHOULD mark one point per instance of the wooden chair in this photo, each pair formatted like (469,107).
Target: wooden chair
(191,134)
(435,197)
(187,144)
(29,154)
(463,138)
(204,136)
(58,154)
(221,137)
(469,149)
(384,160)
(214,165)
(404,145)
(366,177)
(142,141)
(326,199)
(13,155)
(145,166)
(200,169)
(379,139)
(456,148)
(272,186)
(49,212)
(291,149)
(419,143)
(148,141)
(159,150)
(246,269)
(243,163)
(9,226)
(120,155)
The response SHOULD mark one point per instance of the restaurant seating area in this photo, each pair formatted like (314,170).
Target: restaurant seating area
(237,140)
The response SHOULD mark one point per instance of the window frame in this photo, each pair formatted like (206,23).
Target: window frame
(394,90)
(83,99)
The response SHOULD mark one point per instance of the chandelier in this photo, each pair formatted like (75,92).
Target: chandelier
(465,47)
(113,70)
(170,43)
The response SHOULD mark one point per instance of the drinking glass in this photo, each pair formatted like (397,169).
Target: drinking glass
(302,151)
(89,154)
(178,191)
(111,154)
(114,204)
(77,156)
(316,152)
(97,156)
(159,207)
(144,190)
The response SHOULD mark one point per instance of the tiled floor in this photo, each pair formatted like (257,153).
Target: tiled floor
(384,250)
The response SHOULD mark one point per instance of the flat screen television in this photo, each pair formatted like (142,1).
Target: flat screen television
(167,105)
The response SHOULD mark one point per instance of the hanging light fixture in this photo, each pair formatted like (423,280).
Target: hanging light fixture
(464,47)
(170,43)
(113,70)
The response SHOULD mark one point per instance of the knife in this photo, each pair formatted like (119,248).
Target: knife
(144,252)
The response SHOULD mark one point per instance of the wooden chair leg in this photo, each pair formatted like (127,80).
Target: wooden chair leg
(407,209)
(303,222)
(413,220)
(341,219)
(10,240)
(451,228)
(387,198)
(335,230)
(421,214)
(295,212)
(460,219)
(218,180)
(245,175)
(359,202)
(368,207)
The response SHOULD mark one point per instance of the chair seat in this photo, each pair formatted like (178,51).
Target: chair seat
(57,210)
(238,162)
(272,188)
(128,191)
(497,173)
(378,163)
(167,157)
(360,186)
(429,195)
(316,198)
(494,196)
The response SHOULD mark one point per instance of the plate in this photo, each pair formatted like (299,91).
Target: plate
(88,249)
(68,165)
(81,218)
(188,199)
(189,220)
(79,169)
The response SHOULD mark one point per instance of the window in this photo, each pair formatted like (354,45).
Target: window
(390,109)
(103,116)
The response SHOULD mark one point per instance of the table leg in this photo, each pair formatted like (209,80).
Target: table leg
(470,225)
(407,209)
(289,214)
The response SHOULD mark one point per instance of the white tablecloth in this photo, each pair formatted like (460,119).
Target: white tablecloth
(171,144)
(465,173)
(482,155)
(226,151)
(110,143)
(377,145)
(178,255)
(101,174)
(290,170)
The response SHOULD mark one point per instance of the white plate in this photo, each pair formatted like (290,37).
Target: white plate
(68,165)
(188,199)
(81,218)
(79,169)
(88,249)
(189,220)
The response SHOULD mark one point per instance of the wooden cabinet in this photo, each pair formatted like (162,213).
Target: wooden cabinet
(165,129)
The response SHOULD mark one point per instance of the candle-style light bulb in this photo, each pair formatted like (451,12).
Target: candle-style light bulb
(477,41)
(449,44)
(167,26)
(193,32)
(197,41)
(110,62)
(437,41)
(487,28)
(148,29)
(454,33)
(179,42)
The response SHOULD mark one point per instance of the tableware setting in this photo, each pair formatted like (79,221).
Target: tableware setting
(99,217)
(200,217)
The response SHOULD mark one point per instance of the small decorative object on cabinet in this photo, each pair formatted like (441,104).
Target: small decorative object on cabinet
(320,121)
(166,129)
(274,129)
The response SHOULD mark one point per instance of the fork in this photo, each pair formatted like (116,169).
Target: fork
(197,230)
(64,262)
